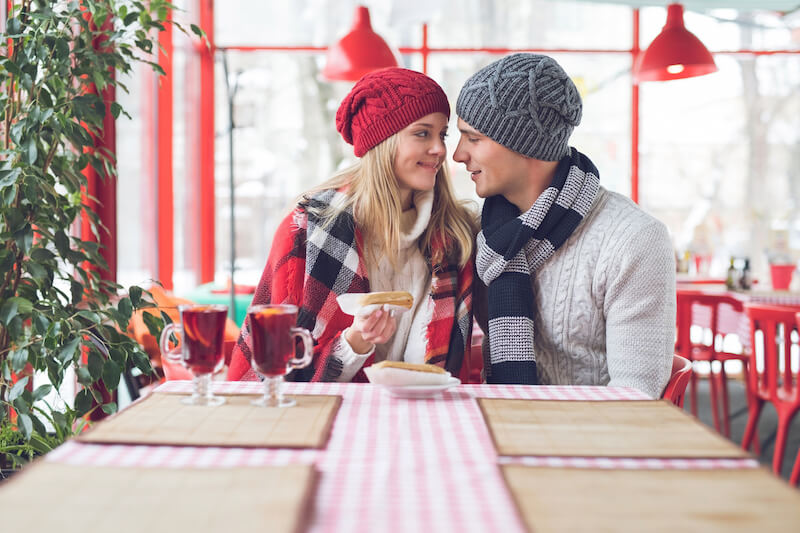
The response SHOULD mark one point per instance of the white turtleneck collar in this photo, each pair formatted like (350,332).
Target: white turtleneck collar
(415,220)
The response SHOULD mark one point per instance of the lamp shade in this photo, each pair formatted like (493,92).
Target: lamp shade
(675,53)
(359,52)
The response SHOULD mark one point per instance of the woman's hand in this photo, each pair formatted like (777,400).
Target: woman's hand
(374,328)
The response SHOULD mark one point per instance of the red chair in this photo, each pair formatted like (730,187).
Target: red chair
(714,304)
(774,381)
(678,380)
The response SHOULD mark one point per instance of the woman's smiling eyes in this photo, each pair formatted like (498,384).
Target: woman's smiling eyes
(425,133)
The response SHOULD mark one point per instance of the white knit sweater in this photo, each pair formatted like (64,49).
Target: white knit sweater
(606,302)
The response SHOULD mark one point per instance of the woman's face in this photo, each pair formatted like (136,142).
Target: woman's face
(420,153)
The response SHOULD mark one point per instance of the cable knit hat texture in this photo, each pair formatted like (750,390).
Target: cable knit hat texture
(526,102)
(384,102)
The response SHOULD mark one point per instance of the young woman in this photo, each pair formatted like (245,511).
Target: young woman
(389,222)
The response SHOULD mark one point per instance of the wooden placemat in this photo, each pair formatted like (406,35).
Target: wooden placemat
(725,501)
(49,496)
(163,419)
(600,429)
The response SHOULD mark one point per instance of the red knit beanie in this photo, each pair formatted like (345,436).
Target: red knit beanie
(384,102)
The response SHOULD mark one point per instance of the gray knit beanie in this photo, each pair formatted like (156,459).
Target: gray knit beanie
(526,102)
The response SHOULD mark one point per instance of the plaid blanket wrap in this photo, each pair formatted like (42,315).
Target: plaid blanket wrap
(310,265)
(512,246)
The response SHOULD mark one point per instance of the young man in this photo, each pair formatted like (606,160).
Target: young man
(580,281)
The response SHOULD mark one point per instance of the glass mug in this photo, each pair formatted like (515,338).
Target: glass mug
(201,331)
(272,336)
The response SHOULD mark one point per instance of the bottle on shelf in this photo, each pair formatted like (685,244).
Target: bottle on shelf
(746,281)
(730,279)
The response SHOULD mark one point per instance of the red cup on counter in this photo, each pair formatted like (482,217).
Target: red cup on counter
(781,276)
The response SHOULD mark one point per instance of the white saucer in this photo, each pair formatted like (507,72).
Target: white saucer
(420,391)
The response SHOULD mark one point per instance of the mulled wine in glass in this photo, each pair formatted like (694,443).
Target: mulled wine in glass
(201,332)
(272,335)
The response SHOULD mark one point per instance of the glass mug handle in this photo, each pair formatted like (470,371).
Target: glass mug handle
(174,354)
(308,346)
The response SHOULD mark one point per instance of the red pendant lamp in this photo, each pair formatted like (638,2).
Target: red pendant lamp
(675,53)
(359,52)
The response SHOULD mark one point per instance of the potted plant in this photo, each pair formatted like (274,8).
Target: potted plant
(56,312)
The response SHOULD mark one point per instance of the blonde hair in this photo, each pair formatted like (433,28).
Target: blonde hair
(372,191)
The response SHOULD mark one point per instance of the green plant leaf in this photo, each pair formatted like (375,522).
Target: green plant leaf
(109,408)
(125,308)
(18,359)
(60,423)
(24,238)
(68,351)
(38,427)
(84,378)
(9,194)
(61,242)
(25,425)
(92,317)
(21,405)
(40,323)
(95,364)
(42,255)
(7,177)
(142,362)
(14,327)
(83,402)
(41,391)
(135,294)
(76,289)
(31,152)
(17,389)
(36,270)
(38,443)
(154,324)
(14,306)
(197,31)
(116,109)
(111,374)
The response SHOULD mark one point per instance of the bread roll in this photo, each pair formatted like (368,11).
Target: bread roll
(399,298)
(396,373)
(416,367)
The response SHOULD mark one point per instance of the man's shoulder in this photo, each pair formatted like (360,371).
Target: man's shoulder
(624,212)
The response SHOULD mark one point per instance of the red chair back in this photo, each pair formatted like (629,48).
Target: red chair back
(773,380)
(678,380)
(692,302)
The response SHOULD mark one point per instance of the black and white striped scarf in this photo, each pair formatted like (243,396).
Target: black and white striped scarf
(512,247)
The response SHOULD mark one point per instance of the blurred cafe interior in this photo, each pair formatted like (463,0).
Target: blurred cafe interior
(690,109)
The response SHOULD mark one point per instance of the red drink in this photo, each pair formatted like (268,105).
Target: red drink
(273,340)
(203,331)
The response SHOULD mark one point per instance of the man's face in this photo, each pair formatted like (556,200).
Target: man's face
(494,168)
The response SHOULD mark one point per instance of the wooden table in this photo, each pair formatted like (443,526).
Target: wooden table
(399,465)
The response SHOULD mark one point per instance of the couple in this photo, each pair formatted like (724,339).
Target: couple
(574,284)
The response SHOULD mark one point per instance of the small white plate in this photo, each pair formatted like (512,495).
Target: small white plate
(420,391)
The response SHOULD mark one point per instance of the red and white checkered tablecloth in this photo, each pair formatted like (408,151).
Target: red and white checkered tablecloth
(391,464)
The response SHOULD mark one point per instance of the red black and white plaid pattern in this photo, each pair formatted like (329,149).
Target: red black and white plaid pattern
(312,263)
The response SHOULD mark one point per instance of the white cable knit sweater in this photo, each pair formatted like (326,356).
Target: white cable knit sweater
(606,302)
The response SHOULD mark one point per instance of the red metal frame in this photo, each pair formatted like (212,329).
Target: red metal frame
(164,207)
(202,210)
(101,191)
(635,51)
(205,214)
